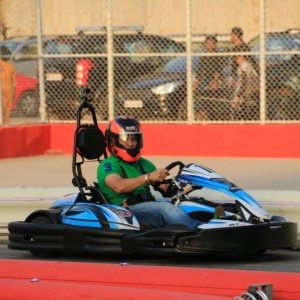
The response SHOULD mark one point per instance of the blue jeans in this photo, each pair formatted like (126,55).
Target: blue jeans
(161,213)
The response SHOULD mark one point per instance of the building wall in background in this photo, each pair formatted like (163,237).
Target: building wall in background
(164,17)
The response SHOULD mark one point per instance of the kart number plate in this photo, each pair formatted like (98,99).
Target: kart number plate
(54,77)
(133,104)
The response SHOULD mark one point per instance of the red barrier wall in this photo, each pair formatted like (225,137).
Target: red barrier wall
(24,140)
(31,279)
(223,140)
(166,139)
(62,137)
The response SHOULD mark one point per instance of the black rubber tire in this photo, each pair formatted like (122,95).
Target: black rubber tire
(29,104)
(257,253)
(42,220)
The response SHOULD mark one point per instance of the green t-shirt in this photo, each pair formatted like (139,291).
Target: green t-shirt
(114,165)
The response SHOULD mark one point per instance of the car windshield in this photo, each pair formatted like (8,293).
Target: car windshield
(276,43)
(60,46)
(169,47)
(11,45)
(178,65)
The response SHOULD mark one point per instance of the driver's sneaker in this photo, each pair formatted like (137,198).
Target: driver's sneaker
(219,212)
(217,223)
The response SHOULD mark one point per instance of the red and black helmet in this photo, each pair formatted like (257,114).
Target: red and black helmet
(121,128)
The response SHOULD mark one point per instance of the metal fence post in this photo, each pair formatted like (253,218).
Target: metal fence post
(190,110)
(262,60)
(110,62)
(42,108)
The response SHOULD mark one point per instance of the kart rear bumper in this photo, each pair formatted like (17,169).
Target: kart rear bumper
(58,238)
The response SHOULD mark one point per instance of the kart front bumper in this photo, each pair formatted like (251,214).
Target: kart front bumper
(251,239)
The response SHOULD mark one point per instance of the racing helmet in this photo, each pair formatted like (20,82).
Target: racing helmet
(122,128)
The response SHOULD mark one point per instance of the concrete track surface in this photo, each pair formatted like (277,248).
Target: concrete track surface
(29,183)
(250,173)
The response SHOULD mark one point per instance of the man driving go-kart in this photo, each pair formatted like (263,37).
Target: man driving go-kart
(124,177)
(119,215)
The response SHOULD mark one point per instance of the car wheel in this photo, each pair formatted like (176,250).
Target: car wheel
(42,220)
(182,111)
(29,104)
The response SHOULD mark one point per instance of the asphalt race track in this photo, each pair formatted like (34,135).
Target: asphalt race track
(271,261)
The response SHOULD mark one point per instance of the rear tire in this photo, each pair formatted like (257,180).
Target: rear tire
(42,220)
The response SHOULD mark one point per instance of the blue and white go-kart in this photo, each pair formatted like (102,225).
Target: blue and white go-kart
(86,223)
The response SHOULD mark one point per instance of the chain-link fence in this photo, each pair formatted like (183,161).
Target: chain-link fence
(195,61)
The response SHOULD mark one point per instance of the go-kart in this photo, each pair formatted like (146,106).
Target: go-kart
(85,223)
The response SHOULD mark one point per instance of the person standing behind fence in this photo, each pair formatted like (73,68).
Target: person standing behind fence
(208,74)
(237,40)
(8,84)
(208,78)
(245,102)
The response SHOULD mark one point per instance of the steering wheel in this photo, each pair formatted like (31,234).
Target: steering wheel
(169,167)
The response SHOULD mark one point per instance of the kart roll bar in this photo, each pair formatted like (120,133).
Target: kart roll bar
(89,144)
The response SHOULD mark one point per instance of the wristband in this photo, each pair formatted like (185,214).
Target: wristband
(147,178)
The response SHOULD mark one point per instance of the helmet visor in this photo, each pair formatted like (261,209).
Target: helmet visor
(125,136)
(132,142)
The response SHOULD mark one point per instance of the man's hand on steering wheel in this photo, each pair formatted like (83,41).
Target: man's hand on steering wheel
(158,175)
(166,187)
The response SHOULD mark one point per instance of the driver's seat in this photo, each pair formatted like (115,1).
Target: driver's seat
(89,144)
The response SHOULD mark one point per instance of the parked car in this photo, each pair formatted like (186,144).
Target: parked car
(66,76)
(162,94)
(281,71)
(197,40)
(278,64)
(24,57)
(157,95)
(26,100)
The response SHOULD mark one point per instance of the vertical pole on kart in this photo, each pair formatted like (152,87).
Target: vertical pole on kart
(262,60)
(42,108)
(110,61)
(189,97)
